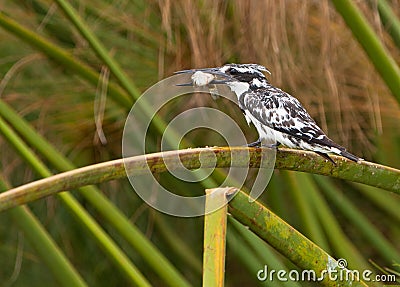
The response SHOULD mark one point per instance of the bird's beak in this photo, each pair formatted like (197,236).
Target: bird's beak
(212,71)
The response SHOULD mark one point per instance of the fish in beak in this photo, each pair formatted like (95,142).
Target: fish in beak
(203,77)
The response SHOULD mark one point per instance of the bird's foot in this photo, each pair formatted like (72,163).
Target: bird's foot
(257,143)
(275,145)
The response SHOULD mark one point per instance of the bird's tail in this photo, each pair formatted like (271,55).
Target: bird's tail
(350,156)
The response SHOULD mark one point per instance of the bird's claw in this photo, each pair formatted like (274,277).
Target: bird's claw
(258,143)
(254,144)
(275,145)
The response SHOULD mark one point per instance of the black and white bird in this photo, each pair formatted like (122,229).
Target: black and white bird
(278,117)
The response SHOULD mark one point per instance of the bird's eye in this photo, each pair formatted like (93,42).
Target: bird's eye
(233,71)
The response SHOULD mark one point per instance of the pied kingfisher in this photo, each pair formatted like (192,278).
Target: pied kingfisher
(278,117)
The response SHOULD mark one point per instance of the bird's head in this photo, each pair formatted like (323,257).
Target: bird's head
(239,77)
(245,73)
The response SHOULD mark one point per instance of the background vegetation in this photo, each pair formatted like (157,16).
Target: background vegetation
(311,53)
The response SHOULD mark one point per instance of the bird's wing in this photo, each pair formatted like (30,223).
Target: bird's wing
(284,113)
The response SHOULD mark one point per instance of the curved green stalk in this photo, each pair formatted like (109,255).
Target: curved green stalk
(284,238)
(382,60)
(365,172)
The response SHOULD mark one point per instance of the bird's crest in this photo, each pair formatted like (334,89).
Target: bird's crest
(245,69)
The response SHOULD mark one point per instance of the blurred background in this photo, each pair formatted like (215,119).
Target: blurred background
(311,54)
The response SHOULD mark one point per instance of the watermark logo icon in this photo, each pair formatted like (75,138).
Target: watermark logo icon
(136,140)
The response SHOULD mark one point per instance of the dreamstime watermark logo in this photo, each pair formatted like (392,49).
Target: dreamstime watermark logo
(335,271)
(135,136)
